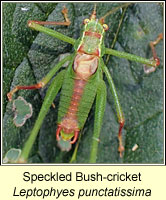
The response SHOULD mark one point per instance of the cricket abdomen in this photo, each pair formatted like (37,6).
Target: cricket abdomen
(77,96)
(70,121)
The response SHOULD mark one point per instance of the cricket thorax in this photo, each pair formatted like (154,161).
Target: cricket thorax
(85,66)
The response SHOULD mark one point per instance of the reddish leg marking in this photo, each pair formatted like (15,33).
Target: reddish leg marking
(121,147)
(19,87)
(66,23)
(152,44)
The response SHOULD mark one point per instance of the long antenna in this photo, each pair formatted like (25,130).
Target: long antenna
(93,16)
(113,11)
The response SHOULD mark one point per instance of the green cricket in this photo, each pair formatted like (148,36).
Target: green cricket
(81,83)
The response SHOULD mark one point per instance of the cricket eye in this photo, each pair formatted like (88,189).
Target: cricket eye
(105,26)
(86,21)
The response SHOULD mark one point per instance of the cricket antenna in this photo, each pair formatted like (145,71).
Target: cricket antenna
(93,16)
(101,20)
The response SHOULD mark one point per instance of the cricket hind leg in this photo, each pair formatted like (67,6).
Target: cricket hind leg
(152,45)
(99,113)
(67,22)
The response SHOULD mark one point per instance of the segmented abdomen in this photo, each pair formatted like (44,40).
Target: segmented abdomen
(76,97)
(76,100)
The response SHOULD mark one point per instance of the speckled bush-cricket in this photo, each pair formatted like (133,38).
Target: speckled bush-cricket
(83,76)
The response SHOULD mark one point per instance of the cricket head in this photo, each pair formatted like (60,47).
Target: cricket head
(100,26)
(93,36)
(95,25)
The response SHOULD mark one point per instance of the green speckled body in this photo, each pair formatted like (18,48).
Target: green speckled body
(86,101)
(81,80)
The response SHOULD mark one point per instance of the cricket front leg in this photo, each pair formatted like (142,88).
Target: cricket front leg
(50,96)
(38,26)
(120,115)
(99,113)
(42,83)
(150,63)
(65,23)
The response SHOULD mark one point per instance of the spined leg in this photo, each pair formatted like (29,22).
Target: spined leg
(99,113)
(120,116)
(65,23)
(150,63)
(38,26)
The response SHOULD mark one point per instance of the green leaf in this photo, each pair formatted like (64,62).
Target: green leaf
(29,55)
